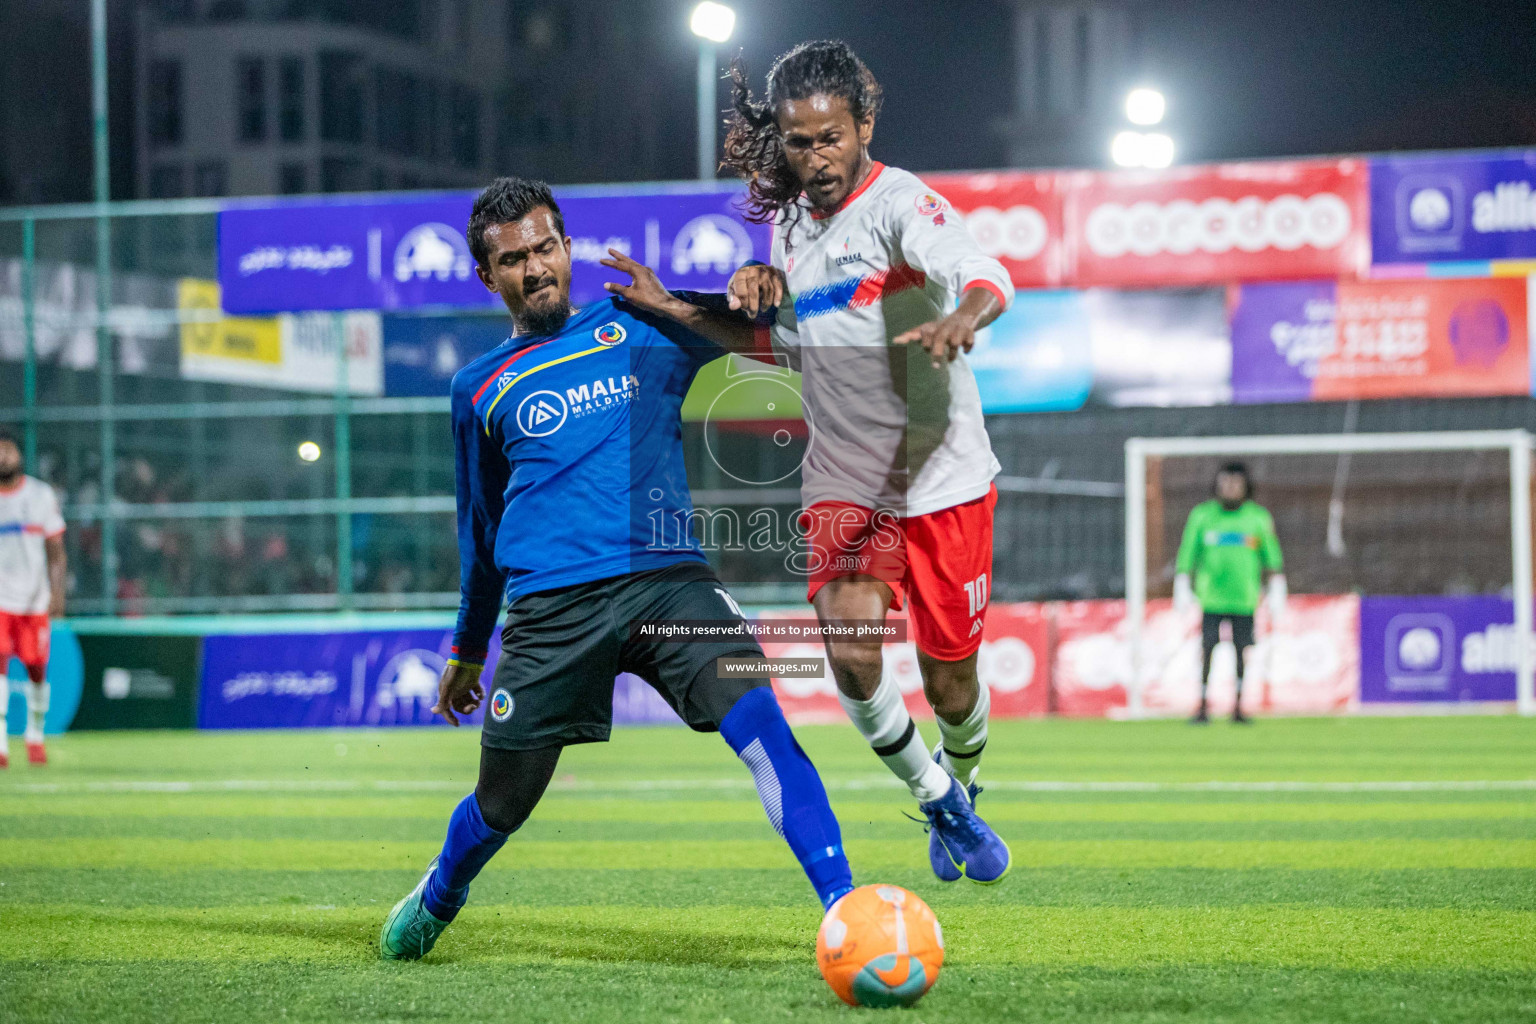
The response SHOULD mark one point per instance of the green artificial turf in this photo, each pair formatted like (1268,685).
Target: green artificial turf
(1301,871)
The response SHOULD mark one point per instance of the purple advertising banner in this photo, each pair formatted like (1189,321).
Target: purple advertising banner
(1279,332)
(407,254)
(1427,209)
(1437,649)
(369,679)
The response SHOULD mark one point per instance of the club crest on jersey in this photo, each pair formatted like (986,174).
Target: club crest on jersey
(929,204)
(541,413)
(501,705)
(611,333)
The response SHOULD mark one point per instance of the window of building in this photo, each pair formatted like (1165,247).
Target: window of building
(165,102)
(546,28)
(1042,63)
(290,112)
(341,175)
(210,178)
(292,179)
(251,99)
(399,115)
(165,182)
(226,10)
(465,120)
(432,121)
(1080,69)
(341,96)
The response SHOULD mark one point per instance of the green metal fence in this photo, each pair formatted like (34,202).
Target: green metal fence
(187,495)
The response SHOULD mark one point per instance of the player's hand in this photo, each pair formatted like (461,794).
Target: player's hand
(1183,594)
(458,692)
(644,290)
(1277,597)
(944,339)
(56,606)
(755,289)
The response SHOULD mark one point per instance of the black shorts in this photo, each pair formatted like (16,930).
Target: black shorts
(561,649)
(1210,631)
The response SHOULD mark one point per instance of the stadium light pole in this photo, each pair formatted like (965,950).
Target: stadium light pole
(104,361)
(713,23)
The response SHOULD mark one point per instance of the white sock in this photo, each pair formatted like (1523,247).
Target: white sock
(37,708)
(884,722)
(962,744)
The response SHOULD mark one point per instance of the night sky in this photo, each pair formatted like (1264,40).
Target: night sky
(1244,79)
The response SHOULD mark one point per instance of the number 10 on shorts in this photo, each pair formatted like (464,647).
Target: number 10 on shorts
(976,594)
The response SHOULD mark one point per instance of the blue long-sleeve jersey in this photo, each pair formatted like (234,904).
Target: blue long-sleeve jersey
(569,459)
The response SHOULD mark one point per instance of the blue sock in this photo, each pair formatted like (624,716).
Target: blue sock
(790,789)
(471,843)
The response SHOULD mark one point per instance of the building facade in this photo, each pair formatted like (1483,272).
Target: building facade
(266,97)
(1073,64)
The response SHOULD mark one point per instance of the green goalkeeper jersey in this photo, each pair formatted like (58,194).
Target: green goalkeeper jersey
(1226,551)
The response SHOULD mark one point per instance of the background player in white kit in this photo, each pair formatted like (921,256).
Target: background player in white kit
(32,569)
(879,290)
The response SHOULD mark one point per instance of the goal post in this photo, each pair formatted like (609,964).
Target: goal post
(1452,467)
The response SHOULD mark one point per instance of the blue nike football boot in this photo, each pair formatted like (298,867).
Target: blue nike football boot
(959,842)
(410,931)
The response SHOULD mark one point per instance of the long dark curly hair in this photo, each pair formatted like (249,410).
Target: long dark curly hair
(753,148)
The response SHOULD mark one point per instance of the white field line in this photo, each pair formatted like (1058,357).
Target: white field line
(685,785)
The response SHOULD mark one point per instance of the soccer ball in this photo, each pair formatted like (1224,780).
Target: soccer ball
(880,945)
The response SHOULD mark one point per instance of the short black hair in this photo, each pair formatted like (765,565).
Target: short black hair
(503,201)
(1238,469)
(9,435)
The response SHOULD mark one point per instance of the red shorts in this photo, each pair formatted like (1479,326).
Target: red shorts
(942,561)
(25,637)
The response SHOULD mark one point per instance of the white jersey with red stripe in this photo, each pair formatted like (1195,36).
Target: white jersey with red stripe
(887,430)
(29,515)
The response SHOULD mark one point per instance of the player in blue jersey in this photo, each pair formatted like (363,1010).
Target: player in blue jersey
(573,503)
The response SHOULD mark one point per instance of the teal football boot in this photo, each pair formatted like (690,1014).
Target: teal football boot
(410,931)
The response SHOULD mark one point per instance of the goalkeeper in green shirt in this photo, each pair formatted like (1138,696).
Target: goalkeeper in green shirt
(1229,543)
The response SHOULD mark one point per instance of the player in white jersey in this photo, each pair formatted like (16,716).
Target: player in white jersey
(879,291)
(32,571)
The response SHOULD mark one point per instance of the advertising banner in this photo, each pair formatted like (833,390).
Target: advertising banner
(63,304)
(1015,216)
(1013,663)
(1057,350)
(1415,649)
(411,253)
(292,352)
(1036,357)
(375,678)
(1454,206)
(422,353)
(1436,338)
(138,682)
(1307,664)
(1216,224)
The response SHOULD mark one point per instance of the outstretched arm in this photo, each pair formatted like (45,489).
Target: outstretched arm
(731,331)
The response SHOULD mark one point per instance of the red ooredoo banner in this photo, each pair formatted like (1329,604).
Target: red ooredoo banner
(1013,662)
(1219,223)
(1014,216)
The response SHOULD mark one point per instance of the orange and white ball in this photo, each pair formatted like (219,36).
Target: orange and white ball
(880,945)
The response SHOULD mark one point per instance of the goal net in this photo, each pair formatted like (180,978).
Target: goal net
(1420,542)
